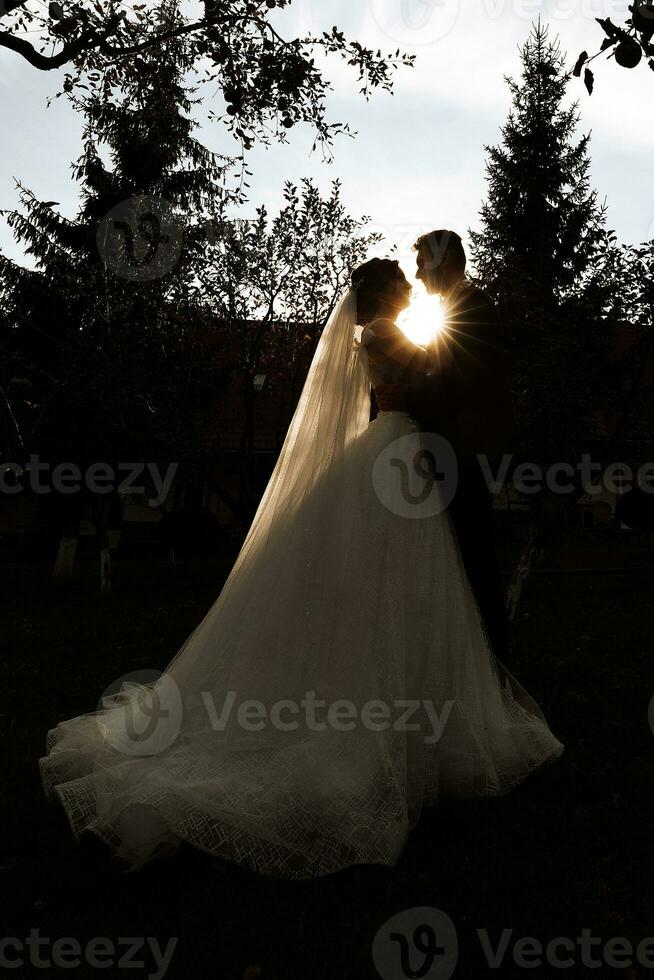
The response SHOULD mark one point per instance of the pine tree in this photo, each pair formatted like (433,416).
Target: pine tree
(146,307)
(100,336)
(542,241)
(540,254)
(541,224)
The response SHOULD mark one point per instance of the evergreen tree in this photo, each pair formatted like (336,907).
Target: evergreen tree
(541,254)
(102,360)
(542,224)
(146,307)
(542,242)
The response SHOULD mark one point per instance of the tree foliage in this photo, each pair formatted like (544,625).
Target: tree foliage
(100,350)
(140,312)
(628,378)
(270,82)
(272,283)
(543,232)
(568,293)
(629,44)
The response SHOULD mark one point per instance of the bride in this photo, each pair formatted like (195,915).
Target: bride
(342,681)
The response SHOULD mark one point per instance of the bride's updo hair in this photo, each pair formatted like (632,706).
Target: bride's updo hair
(371,282)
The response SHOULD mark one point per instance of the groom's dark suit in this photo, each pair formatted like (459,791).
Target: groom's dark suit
(469,403)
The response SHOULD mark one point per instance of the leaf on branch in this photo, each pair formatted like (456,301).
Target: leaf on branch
(589,79)
(65,27)
(608,26)
(581,61)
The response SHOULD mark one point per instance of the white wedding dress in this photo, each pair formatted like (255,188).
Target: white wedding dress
(337,597)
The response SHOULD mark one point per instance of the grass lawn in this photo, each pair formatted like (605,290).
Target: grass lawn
(572,849)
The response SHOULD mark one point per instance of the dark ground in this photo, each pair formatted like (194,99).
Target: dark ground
(572,849)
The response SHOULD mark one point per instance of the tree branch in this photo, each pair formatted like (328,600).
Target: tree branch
(151,42)
(87,40)
(38,60)
(8,6)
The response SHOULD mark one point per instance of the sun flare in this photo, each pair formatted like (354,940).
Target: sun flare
(424,319)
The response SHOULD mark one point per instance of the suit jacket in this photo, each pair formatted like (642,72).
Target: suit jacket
(468,399)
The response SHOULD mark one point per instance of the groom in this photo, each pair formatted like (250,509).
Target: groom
(468,402)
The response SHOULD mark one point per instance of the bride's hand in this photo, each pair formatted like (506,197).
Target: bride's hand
(390,345)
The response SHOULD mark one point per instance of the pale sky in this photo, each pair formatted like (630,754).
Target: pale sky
(418,160)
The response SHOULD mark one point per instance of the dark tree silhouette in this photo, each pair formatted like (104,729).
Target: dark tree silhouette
(542,225)
(272,283)
(102,359)
(141,311)
(542,242)
(270,82)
